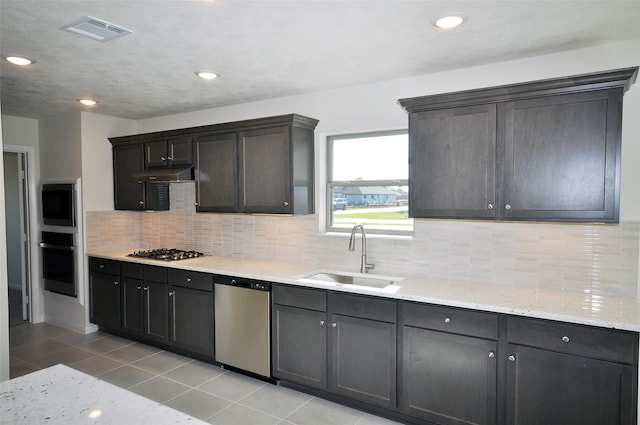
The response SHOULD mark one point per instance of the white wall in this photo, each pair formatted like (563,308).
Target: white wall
(97,162)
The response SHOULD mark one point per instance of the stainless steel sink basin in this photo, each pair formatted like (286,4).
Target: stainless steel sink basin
(357,279)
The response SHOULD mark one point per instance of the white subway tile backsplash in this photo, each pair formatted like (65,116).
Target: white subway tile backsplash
(576,257)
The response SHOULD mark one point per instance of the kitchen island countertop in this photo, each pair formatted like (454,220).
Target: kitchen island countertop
(62,395)
(566,306)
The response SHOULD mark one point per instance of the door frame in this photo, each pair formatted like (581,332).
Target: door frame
(32,226)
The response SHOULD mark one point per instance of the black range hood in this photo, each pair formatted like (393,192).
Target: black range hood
(164,175)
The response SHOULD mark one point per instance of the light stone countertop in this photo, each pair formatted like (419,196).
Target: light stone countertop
(61,395)
(572,307)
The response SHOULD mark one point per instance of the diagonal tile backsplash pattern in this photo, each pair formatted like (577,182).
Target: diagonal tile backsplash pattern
(595,258)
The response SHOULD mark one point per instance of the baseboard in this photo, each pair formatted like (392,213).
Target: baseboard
(72,326)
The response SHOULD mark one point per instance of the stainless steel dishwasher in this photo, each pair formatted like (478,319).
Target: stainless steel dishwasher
(242,324)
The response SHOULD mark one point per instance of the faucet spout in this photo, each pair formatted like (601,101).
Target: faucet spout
(364,266)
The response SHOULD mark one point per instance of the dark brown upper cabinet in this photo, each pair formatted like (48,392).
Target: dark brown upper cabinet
(544,151)
(262,166)
(169,152)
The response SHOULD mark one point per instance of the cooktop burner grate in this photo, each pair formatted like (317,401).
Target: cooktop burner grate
(166,254)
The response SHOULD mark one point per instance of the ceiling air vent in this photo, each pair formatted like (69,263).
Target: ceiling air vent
(96,29)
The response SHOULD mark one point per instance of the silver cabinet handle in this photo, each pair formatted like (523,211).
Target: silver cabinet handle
(162,158)
(116,283)
(507,206)
(565,339)
(233,281)
(322,323)
(170,158)
(512,358)
(188,279)
(172,294)
(447,320)
(101,266)
(491,354)
(141,202)
(285,203)
(334,324)
(146,289)
(139,288)
(489,206)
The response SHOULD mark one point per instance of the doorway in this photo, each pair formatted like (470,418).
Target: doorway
(17,229)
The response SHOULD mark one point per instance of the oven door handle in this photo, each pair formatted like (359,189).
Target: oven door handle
(58,247)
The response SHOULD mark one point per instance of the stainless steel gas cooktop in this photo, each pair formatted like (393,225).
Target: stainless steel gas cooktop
(166,254)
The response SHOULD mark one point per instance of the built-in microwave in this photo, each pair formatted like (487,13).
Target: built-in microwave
(59,204)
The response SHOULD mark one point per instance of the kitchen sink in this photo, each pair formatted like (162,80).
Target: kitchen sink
(355,279)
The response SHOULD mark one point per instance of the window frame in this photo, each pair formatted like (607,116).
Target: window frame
(331,184)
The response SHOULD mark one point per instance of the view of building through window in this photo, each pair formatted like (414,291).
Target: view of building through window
(368,182)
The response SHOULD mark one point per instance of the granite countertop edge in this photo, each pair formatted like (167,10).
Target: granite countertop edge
(566,306)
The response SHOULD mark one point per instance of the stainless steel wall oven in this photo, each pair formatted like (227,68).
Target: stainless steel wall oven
(59,263)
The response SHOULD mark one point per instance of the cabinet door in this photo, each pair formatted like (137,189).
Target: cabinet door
(452,163)
(132,307)
(265,171)
(192,320)
(363,360)
(448,379)
(545,387)
(217,173)
(561,154)
(105,300)
(128,160)
(156,311)
(300,345)
(180,151)
(156,153)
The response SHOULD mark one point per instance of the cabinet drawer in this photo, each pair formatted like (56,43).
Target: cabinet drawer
(587,341)
(312,299)
(133,270)
(450,319)
(155,274)
(191,279)
(363,307)
(101,265)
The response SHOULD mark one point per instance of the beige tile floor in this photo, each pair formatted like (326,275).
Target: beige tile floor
(199,389)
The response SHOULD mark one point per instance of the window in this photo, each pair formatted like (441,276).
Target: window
(368,182)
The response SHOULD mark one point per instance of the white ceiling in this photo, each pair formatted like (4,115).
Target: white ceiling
(270,48)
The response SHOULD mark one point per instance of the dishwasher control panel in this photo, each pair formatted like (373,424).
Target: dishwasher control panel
(241,282)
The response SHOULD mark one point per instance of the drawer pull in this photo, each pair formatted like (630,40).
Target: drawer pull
(102,266)
(334,324)
(322,323)
(188,279)
(565,339)
(512,358)
(491,354)
(447,320)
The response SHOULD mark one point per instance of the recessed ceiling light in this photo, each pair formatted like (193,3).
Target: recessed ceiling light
(449,21)
(207,75)
(87,102)
(19,60)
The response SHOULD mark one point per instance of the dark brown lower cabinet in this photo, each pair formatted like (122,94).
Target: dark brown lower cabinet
(300,345)
(363,359)
(104,292)
(448,379)
(544,387)
(191,324)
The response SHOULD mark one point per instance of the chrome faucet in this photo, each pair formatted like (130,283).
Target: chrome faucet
(364,266)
